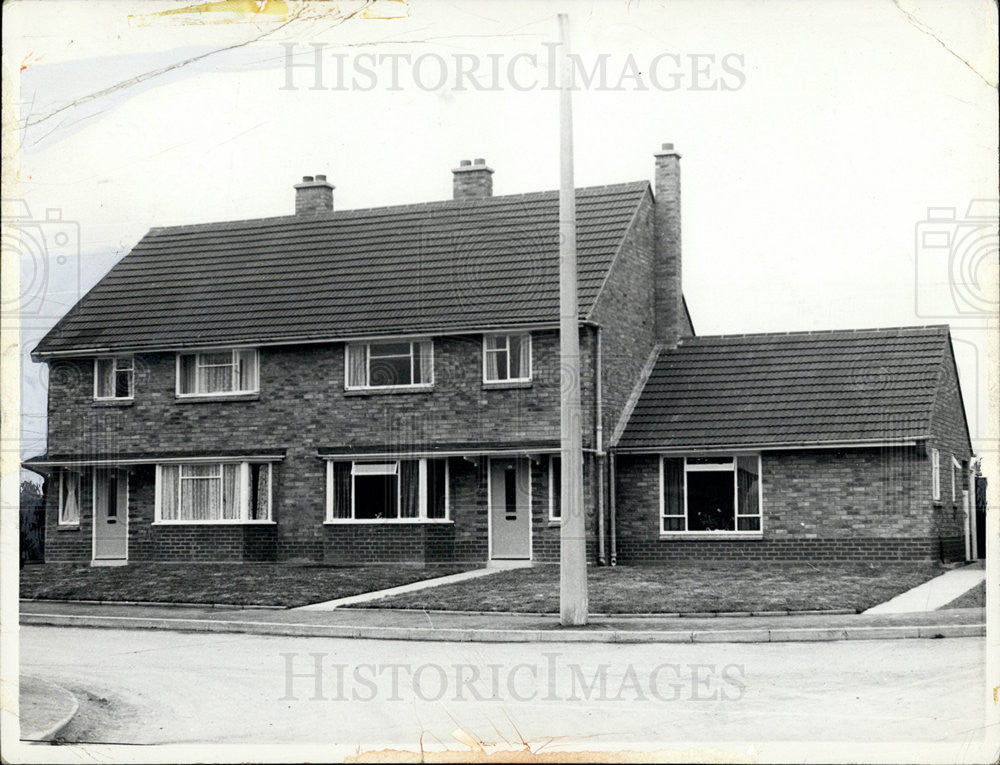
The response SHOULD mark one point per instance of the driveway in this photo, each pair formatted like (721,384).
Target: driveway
(166,687)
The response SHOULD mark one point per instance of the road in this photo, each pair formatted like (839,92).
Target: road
(153,687)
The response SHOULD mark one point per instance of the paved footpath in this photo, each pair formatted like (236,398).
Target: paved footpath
(518,628)
(933,594)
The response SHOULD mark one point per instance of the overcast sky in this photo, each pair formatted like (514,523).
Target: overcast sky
(815,137)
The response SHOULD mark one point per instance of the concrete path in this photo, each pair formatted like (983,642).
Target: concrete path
(424,584)
(45,708)
(934,594)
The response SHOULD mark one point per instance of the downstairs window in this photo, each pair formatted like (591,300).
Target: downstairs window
(236,492)
(710,494)
(397,490)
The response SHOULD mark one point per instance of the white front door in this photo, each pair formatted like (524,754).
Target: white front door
(510,509)
(111,516)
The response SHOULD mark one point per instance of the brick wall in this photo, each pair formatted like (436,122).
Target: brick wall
(624,310)
(302,405)
(829,505)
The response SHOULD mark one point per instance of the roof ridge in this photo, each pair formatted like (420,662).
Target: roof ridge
(432,205)
(813,332)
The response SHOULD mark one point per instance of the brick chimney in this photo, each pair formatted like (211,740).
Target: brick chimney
(313,195)
(472,180)
(667,297)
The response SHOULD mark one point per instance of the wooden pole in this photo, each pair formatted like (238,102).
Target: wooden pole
(572,539)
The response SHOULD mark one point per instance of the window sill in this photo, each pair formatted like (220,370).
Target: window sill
(388,391)
(112,402)
(213,523)
(507,384)
(676,535)
(553,523)
(386,521)
(68,527)
(220,399)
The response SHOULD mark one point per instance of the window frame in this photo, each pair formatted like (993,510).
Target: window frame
(525,337)
(424,477)
(114,375)
(368,365)
(233,350)
(78,480)
(936,475)
(732,458)
(956,470)
(244,486)
(553,518)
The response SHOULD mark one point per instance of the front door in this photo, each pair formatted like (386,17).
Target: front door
(111,516)
(510,509)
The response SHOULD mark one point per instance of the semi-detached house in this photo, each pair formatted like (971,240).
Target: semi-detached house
(382,385)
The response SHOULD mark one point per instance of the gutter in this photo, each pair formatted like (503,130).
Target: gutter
(599,442)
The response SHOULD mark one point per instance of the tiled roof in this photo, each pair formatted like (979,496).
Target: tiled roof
(790,389)
(489,263)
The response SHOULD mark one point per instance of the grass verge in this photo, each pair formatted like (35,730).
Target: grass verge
(238,584)
(688,587)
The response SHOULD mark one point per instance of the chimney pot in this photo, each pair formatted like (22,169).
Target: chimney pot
(472,180)
(320,177)
(307,179)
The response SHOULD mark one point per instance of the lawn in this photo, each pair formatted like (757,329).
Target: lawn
(974,598)
(268,584)
(689,587)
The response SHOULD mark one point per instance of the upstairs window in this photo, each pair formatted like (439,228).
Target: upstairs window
(399,490)
(507,358)
(69,499)
(217,373)
(710,494)
(114,378)
(398,364)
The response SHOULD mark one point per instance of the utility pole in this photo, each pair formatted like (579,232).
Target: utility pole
(572,537)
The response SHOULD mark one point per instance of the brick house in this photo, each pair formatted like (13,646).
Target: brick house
(382,385)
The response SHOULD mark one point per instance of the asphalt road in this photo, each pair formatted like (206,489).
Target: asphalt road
(152,687)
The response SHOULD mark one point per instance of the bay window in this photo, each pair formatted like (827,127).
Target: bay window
(114,378)
(230,492)
(710,494)
(397,364)
(507,358)
(226,372)
(396,490)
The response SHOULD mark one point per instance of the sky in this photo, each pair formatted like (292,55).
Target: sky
(821,141)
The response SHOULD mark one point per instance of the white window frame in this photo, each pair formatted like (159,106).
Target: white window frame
(235,373)
(422,491)
(368,366)
(244,490)
(553,518)
(956,470)
(525,338)
(64,477)
(715,467)
(936,475)
(114,375)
